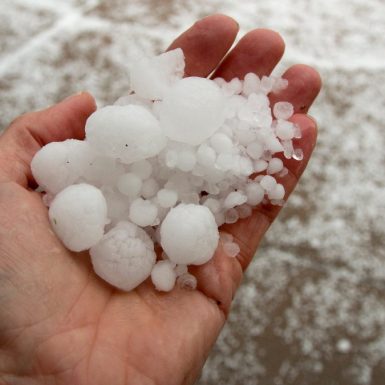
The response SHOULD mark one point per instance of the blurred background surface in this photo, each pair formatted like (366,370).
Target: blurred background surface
(311,309)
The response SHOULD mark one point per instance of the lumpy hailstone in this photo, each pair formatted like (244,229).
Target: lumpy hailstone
(78,215)
(189,234)
(124,257)
(168,163)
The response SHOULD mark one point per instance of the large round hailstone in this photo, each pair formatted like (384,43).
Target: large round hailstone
(189,234)
(69,159)
(78,215)
(124,257)
(192,110)
(129,133)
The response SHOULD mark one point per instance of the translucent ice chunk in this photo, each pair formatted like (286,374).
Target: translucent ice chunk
(283,110)
(152,77)
(187,281)
(231,249)
(225,237)
(244,211)
(231,216)
(298,154)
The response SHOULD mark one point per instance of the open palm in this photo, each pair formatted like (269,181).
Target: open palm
(61,324)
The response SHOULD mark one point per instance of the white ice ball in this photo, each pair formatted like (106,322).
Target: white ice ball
(283,110)
(275,166)
(129,184)
(277,193)
(235,198)
(167,198)
(285,130)
(78,215)
(221,143)
(268,183)
(69,159)
(189,234)
(163,276)
(192,110)
(143,212)
(124,257)
(254,193)
(128,133)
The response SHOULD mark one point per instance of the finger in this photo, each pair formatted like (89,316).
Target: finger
(205,43)
(258,51)
(28,133)
(221,276)
(304,86)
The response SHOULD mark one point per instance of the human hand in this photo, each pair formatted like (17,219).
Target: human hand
(59,322)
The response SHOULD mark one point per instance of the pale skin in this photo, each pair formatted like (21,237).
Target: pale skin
(60,323)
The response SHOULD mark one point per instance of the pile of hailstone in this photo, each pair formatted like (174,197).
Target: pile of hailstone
(167,164)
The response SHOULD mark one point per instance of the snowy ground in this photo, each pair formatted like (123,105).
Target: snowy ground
(312,306)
